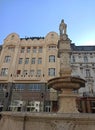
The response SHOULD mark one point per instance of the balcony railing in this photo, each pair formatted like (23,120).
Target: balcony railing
(27,77)
(3,78)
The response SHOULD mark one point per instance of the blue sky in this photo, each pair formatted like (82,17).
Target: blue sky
(39,17)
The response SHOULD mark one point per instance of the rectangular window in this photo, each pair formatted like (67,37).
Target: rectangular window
(73,59)
(7,59)
(32,72)
(52,58)
(34,87)
(25,72)
(40,49)
(22,50)
(52,47)
(93,104)
(33,60)
(88,73)
(28,49)
(18,71)
(20,87)
(34,49)
(81,69)
(4,71)
(38,72)
(26,60)
(39,60)
(51,71)
(20,60)
(11,48)
(85,59)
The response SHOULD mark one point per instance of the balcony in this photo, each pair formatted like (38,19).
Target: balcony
(28,78)
(3,78)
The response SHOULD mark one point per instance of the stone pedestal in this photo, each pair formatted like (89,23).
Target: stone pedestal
(67,98)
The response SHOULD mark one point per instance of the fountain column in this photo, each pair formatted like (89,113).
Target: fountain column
(64,50)
(66,84)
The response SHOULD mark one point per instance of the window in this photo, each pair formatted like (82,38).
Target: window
(93,104)
(47,88)
(18,71)
(25,72)
(40,49)
(34,86)
(39,60)
(81,69)
(37,104)
(20,60)
(85,59)
(52,58)
(73,59)
(34,49)
(87,73)
(19,86)
(7,59)
(22,50)
(52,35)
(28,49)
(32,72)
(26,60)
(51,71)
(51,47)
(33,60)
(38,72)
(4,71)
(11,48)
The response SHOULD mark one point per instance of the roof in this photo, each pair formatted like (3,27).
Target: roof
(32,38)
(82,48)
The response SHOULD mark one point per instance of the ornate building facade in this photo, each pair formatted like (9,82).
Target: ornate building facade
(26,64)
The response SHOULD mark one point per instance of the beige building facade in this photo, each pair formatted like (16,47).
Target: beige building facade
(26,64)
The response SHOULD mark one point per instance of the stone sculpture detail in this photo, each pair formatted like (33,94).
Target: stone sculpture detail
(66,83)
(62,27)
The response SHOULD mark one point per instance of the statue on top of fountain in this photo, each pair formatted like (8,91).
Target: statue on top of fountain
(62,27)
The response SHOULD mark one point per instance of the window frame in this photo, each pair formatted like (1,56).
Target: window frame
(33,60)
(52,58)
(4,72)
(26,60)
(51,71)
(7,59)
(39,60)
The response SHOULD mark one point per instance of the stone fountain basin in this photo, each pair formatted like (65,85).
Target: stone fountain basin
(66,82)
(46,121)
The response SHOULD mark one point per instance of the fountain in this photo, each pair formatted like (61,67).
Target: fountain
(67,117)
(66,83)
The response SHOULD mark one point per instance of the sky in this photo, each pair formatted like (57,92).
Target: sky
(30,18)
